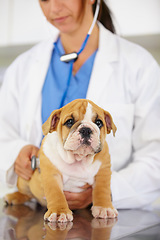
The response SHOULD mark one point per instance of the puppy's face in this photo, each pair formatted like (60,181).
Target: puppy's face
(82,127)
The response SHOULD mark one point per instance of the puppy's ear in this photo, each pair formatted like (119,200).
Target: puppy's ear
(109,123)
(51,124)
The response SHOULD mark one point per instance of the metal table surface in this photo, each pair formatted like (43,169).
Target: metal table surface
(25,222)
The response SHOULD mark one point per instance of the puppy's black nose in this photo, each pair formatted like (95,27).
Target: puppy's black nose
(85,132)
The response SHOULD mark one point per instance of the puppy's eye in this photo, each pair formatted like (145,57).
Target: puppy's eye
(99,123)
(69,123)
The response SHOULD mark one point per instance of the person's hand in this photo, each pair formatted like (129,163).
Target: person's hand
(22,166)
(79,200)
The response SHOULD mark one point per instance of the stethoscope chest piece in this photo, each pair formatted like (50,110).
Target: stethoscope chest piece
(69,57)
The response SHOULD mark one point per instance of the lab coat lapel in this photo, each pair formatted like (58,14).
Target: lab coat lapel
(100,75)
(36,77)
(107,54)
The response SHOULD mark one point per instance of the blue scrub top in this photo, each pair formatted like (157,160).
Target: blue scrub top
(56,80)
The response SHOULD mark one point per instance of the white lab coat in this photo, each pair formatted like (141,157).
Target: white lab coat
(125,81)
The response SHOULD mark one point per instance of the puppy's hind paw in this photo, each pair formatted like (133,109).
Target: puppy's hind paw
(100,212)
(16,198)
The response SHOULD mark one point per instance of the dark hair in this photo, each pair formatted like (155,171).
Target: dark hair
(105,16)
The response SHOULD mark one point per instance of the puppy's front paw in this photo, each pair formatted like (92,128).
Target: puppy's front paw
(59,225)
(100,212)
(62,217)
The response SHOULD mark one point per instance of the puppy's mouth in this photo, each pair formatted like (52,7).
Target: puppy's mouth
(82,144)
(84,153)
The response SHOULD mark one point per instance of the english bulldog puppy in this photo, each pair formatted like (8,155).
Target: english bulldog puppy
(73,153)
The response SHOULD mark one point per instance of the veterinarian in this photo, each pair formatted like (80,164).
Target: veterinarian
(117,75)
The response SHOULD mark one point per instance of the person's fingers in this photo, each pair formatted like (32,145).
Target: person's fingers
(86,186)
(73,205)
(23,172)
(34,151)
(79,200)
(78,196)
(28,164)
(22,164)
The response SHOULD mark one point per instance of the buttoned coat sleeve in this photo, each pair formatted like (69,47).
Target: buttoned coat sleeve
(137,184)
(11,141)
(20,106)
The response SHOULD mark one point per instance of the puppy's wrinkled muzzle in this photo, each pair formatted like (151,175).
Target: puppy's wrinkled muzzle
(83,142)
(86,133)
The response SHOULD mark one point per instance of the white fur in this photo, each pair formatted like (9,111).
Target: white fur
(89,113)
(62,218)
(75,174)
(100,212)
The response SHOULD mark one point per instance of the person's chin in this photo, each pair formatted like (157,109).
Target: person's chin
(67,27)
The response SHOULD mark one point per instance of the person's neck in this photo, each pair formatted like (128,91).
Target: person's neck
(73,41)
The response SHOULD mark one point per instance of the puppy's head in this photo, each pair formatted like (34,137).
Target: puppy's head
(82,127)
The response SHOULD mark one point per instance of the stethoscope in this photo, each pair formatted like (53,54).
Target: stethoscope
(72,57)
